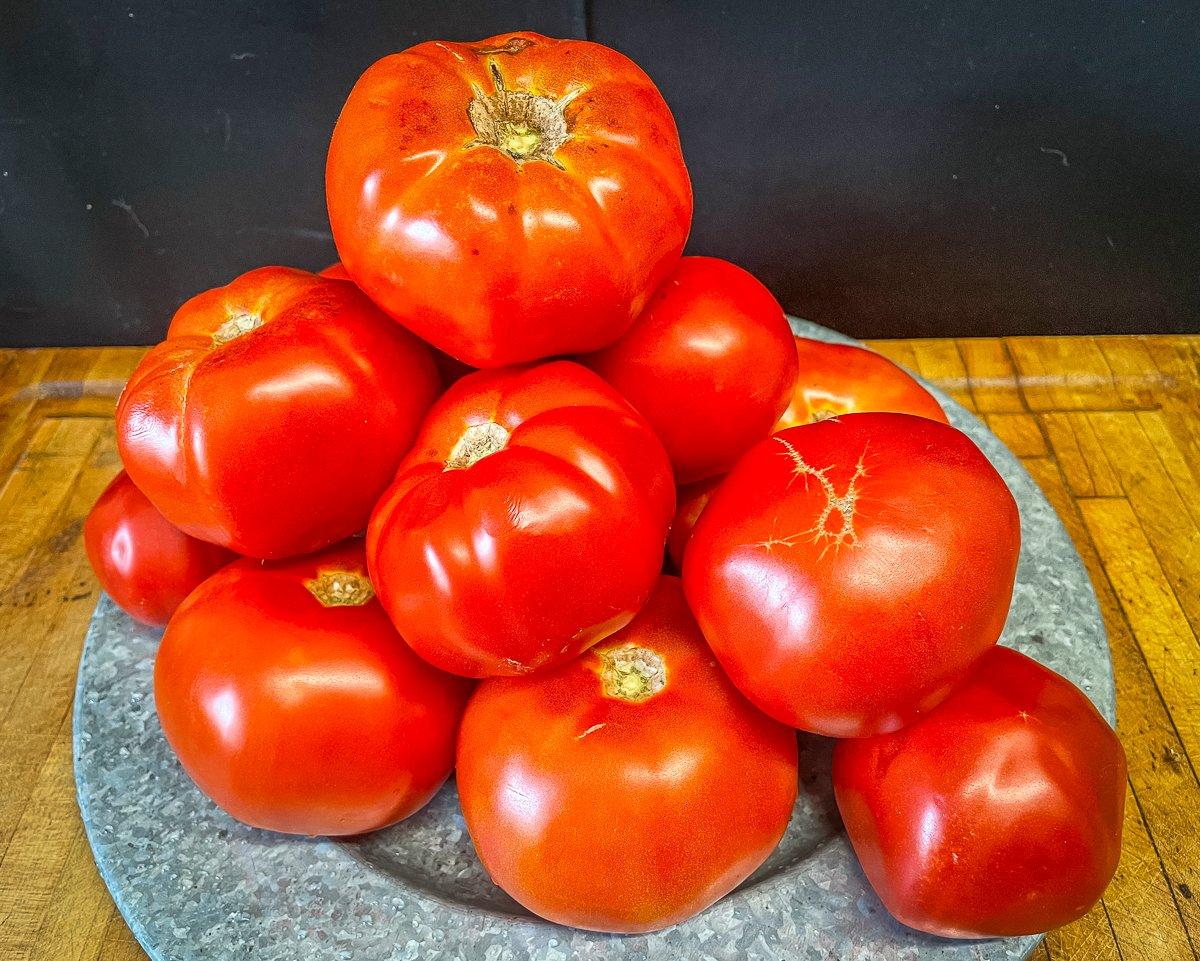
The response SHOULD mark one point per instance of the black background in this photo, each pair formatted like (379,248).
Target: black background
(888,168)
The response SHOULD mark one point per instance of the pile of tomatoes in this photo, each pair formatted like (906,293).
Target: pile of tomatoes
(521,392)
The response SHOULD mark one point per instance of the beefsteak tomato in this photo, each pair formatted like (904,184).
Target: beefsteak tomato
(836,379)
(275,413)
(690,501)
(997,814)
(527,523)
(510,199)
(849,573)
(293,703)
(711,363)
(630,788)
(143,561)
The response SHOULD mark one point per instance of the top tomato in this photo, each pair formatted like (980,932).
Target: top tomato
(711,364)
(274,414)
(511,199)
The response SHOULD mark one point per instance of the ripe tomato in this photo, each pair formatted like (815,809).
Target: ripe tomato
(848,573)
(510,199)
(839,379)
(630,788)
(690,501)
(711,363)
(998,814)
(274,414)
(293,703)
(336,271)
(527,524)
(143,561)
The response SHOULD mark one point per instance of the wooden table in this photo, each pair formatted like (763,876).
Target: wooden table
(1110,428)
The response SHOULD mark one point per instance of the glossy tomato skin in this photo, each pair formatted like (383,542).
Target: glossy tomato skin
(277,440)
(849,573)
(293,703)
(690,501)
(836,379)
(623,815)
(143,561)
(997,814)
(541,548)
(711,363)
(499,257)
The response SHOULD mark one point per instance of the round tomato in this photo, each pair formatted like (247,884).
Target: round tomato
(510,199)
(143,561)
(998,814)
(837,379)
(293,703)
(630,788)
(274,414)
(527,524)
(691,500)
(848,573)
(711,363)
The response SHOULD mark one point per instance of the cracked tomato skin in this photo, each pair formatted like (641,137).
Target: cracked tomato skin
(601,811)
(276,440)
(505,559)
(995,815)
(711,363)
(292,702)
(849,573)
(507,249)
(836,379)
(143,561)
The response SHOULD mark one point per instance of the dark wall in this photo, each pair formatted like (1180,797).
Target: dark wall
(888,168)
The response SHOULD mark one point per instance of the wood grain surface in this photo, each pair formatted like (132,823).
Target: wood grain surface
(1108,426)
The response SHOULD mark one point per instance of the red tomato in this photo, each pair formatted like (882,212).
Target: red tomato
(849,573)
(274,414)
(630,788)
(448,367)
(527,524)
(998,814)
(293,703)
(142,561)
(691,500)
(839,379)
(510,199)
(711,363)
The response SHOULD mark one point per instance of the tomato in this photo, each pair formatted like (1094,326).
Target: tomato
(511,199)
(293,703)
(448,367)
(527,524)
(630,788)
(142,561)
(691,499)
(997,814)
(849,573)
(839,379)
(711,363)
(275,413)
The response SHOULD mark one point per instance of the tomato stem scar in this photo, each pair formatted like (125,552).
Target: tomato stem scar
(524,126)
(235,326)
(340,589)
(477,442)
(632,673)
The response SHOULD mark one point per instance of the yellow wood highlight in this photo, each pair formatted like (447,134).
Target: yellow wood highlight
(1108,426)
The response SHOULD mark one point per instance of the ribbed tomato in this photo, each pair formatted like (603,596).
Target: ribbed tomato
(511,199)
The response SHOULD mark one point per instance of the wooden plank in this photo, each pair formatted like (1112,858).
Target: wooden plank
(1082,457)
(1183,476)
(1088,939)
(1165,518)
(991,376)
(77,912)
(121,951)
(1020,433)
(1063,373)
(898,352)
(1160,775)
(20,760)
(939,362)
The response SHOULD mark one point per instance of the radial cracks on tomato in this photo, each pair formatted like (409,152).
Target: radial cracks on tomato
(842,505)
(340,588)
(524,126)
(477,442)
(632,673)
(240,323)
